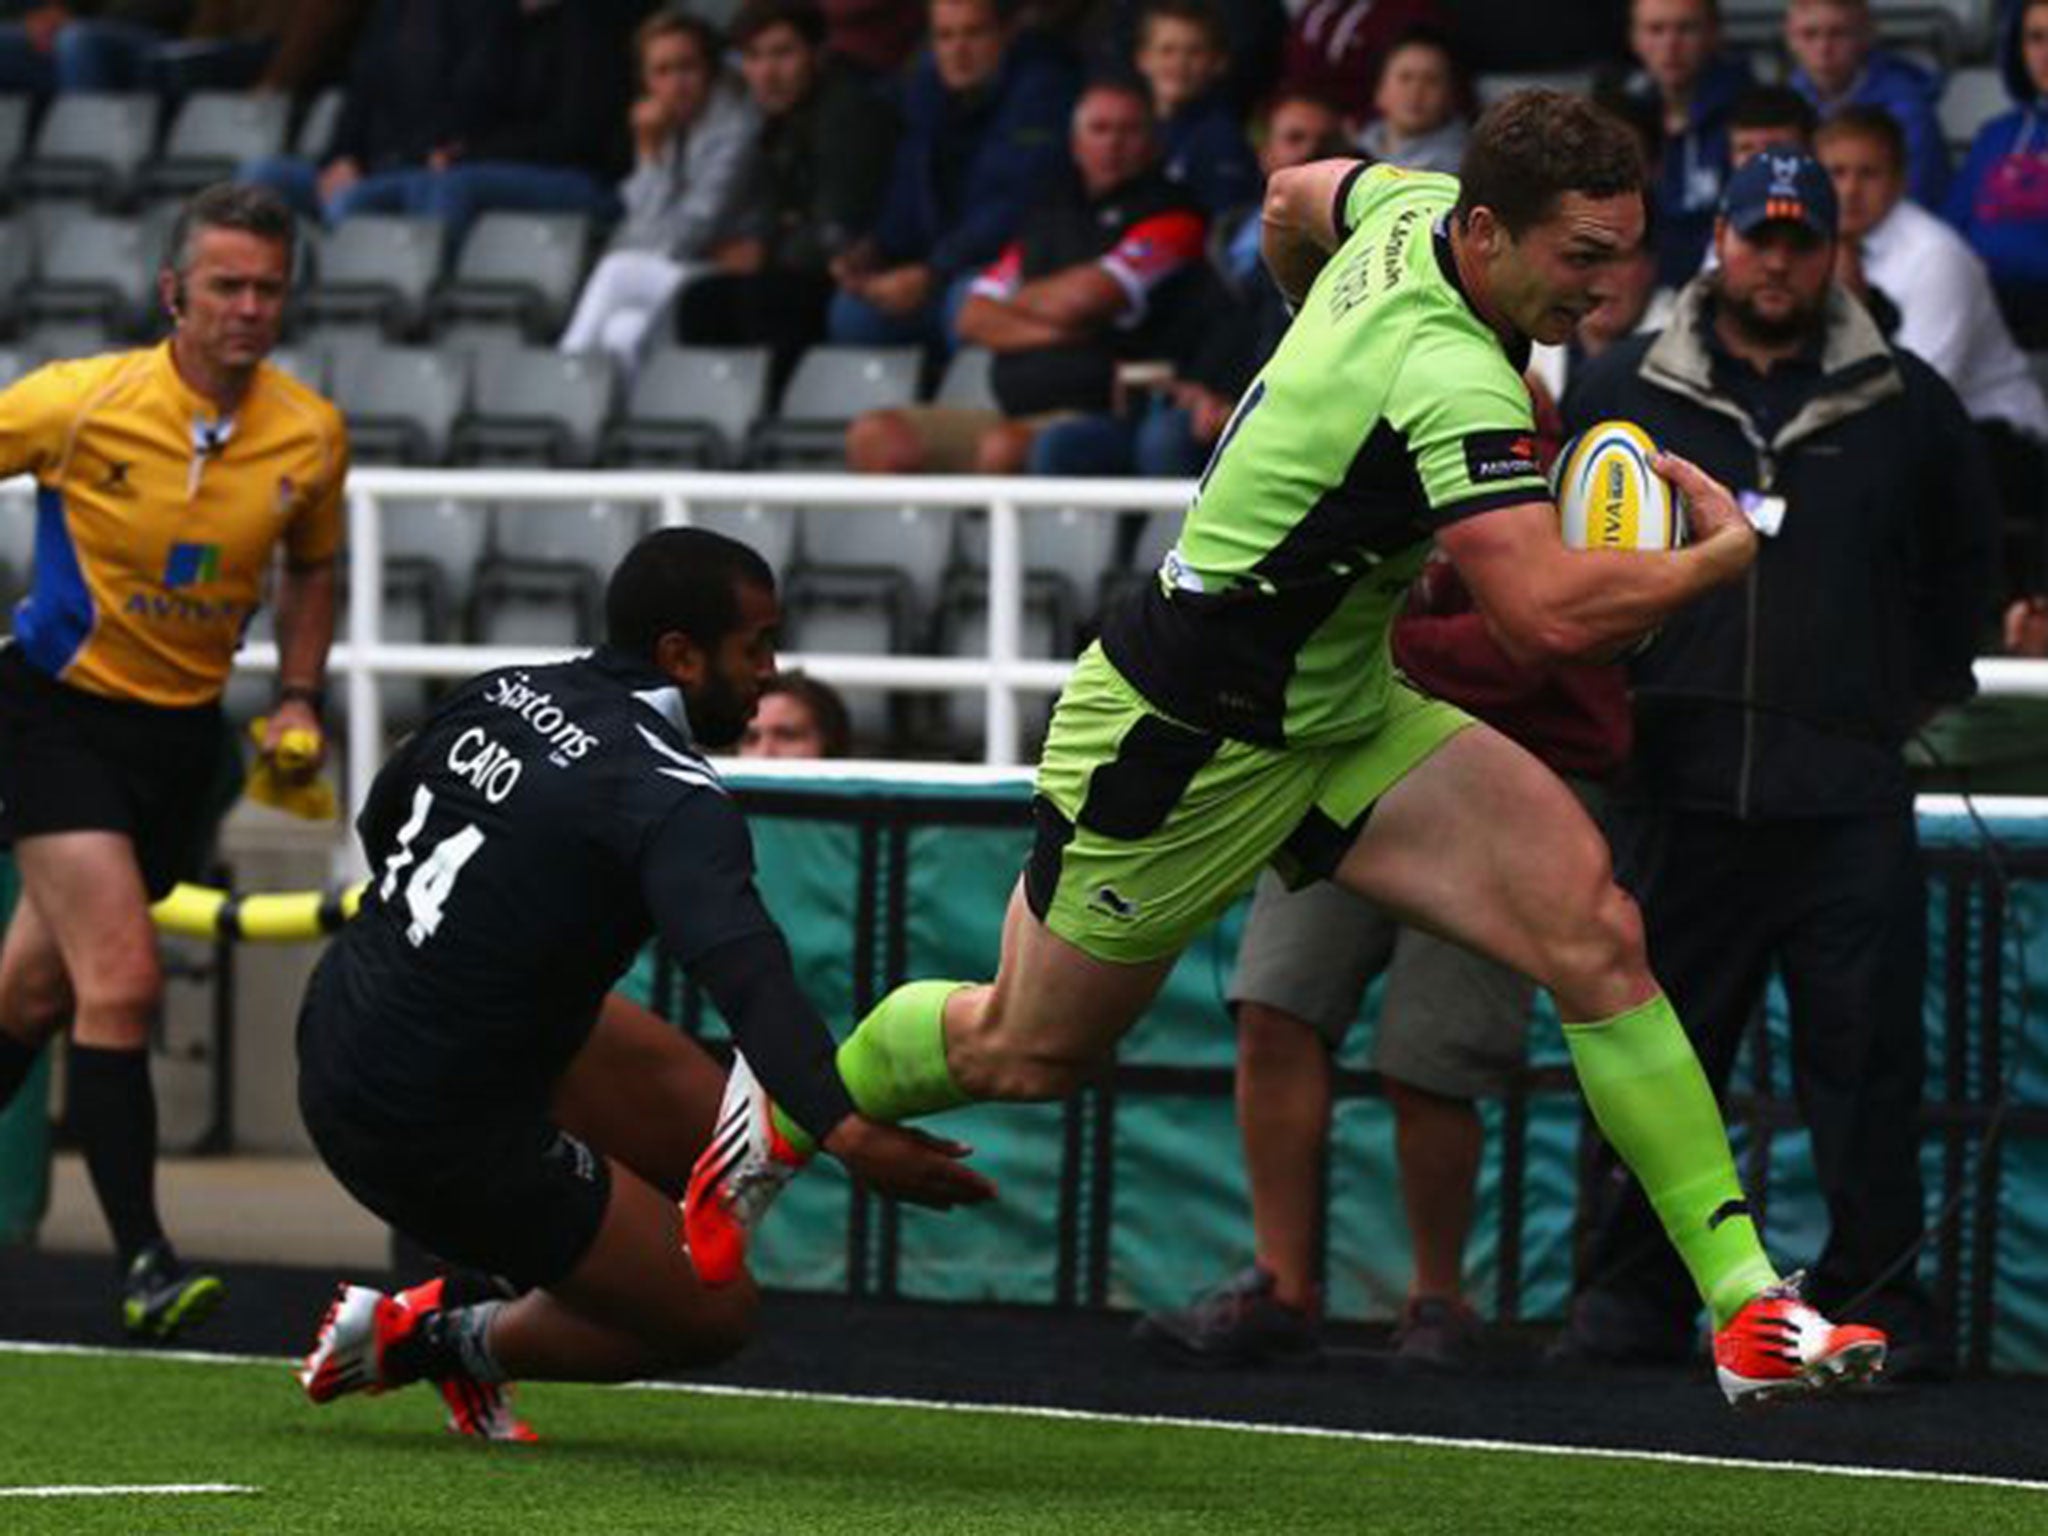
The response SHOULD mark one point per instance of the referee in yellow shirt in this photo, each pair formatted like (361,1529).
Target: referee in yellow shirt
(167,481)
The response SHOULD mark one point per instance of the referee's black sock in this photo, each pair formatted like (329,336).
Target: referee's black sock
(16,1062)
(113,1112)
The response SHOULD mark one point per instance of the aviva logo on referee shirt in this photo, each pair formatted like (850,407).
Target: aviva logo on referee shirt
(188,565)
(191,564)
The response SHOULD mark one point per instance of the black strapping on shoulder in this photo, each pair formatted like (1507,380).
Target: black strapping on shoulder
(1337,220)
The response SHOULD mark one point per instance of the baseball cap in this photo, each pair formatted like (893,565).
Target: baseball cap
(1780,184)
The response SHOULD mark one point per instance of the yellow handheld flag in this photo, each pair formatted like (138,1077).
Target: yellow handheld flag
(288,778)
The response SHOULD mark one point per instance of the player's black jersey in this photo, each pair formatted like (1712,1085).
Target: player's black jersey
(523,845)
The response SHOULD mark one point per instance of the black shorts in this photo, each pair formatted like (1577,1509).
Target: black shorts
(504,1190)
(72,761)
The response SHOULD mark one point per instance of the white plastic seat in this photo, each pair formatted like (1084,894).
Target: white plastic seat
(828,388)
(91,144)
(524,268)
(691,405)
(376,267)
(213,133)
(401,402)
(531,405)
(93,267)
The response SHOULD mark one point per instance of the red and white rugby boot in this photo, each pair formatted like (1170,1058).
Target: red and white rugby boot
(1777,1346)
(348,1352)
(483,1410)
(736,1179)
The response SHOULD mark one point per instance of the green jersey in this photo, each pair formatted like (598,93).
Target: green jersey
(1387,411)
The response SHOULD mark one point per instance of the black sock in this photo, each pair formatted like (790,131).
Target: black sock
(447,1344)
(113,1114)
(16,1062)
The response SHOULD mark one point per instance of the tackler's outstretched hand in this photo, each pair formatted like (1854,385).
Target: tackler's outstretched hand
(905,1163)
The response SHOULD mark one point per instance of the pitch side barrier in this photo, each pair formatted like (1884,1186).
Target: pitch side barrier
(1132,1194)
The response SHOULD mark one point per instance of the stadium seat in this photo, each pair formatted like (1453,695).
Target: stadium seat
(769,530)
(691,406)
(91,144)
(51,339)
(401,402)
(1971,99)
(1074,547)
(316,128)
(520,604)
(967,382)
(823,612)
(535,406)
(308,365)
(17,266)
(213,133)
(442,544)
(18,529)
(93,267)
(376,268)
(1047,631)
(14,116)
(481,339)
(913,544)
(830,386)
(589,535)
(521,268)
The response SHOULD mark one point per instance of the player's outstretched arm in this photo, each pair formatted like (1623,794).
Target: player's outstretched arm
(754,984)
(1548,603)
(1298,223)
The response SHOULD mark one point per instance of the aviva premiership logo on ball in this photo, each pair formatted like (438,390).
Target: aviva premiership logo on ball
(1608,496)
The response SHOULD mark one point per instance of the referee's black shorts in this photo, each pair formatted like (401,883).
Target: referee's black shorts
(500,1189)
(72,761)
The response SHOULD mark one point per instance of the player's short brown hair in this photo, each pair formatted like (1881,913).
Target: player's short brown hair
(1532,147)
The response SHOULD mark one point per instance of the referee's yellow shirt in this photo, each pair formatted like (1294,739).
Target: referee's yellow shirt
(156,519)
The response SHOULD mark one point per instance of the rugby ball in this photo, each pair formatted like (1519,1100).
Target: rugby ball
(1608,496)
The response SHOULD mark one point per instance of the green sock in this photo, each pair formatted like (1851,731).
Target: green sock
(894,1062)
(1651,1098)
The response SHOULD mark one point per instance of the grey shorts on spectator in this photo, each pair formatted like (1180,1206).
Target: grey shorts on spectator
(1451,1022)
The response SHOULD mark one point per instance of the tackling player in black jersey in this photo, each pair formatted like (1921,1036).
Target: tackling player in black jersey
(462,1070)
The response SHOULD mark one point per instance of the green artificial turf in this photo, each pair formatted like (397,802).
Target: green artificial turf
(636,1460)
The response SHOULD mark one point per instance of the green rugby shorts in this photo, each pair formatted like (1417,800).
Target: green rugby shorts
(1147,829)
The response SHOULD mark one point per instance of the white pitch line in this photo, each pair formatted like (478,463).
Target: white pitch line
(1170,1421)
(124,1490)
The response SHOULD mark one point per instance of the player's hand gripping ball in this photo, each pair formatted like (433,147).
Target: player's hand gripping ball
(1608,496)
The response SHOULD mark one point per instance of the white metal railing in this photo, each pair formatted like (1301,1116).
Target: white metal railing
(361,657)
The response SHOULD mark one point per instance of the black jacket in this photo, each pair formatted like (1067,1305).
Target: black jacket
(1065,227)
(1790,692)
